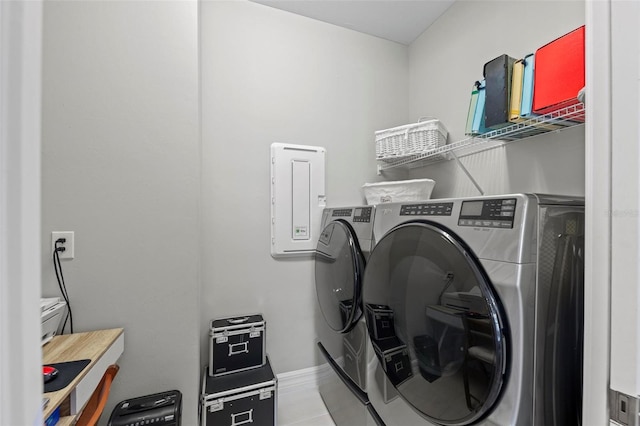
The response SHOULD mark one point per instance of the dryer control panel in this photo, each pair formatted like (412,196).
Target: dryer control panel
(427,209)
(359,214)
(488,213)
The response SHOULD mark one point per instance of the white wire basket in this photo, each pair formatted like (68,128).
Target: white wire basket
(410,139)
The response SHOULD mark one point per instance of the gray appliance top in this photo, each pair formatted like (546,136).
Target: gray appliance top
(496,227)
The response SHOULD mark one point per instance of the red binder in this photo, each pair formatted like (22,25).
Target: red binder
(559,73)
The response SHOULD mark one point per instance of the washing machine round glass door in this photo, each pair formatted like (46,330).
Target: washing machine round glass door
(435,322)
(339,264)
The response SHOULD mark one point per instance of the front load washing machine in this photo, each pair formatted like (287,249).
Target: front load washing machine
(343,345)
(475,311)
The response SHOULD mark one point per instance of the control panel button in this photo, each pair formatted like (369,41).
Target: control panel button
(342,213)
(427,209)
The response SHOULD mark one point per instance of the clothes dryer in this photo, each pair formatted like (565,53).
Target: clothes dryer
(475,311)
(343,345)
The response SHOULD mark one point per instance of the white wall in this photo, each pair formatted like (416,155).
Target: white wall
(599,205)
(449,56)
(20,278)
(271,76)
(625,198)
(120,167)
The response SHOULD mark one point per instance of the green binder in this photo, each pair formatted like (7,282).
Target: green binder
(472,109)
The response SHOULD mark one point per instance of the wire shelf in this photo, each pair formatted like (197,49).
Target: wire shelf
(558,120)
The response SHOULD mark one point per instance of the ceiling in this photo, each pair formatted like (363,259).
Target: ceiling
(401,21)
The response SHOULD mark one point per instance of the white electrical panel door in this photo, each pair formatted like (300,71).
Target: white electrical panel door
(297,198)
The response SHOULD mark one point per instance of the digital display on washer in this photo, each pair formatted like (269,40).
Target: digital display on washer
(427,209)
(362,214)
(471,208)
(488,213)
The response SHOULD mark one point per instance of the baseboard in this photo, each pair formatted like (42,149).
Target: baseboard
(300,379)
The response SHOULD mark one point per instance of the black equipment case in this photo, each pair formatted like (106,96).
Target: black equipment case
(161,409)
(247,397)
(380,321)
(236,344)
(394,356)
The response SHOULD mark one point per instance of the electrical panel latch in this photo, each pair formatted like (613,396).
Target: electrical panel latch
(625,409)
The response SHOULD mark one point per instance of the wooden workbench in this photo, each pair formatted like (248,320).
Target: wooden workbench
(101,347)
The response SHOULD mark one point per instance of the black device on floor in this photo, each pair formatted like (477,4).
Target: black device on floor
(159,409)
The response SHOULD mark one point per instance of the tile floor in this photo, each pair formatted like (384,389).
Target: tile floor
(302,407)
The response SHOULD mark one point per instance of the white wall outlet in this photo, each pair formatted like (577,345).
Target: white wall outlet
(68,245)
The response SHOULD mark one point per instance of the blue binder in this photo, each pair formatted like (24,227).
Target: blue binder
(478,118)
(527,87)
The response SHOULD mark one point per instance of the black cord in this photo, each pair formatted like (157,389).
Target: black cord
(448,280)
(57,266)
(61,284)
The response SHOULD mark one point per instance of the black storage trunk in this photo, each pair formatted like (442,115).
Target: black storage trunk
(236,344)
(247,397)
(380,321)
(162,409)
(395,359)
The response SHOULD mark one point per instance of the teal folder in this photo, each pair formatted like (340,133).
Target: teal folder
(477,126)
(527,86)
(472,109)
